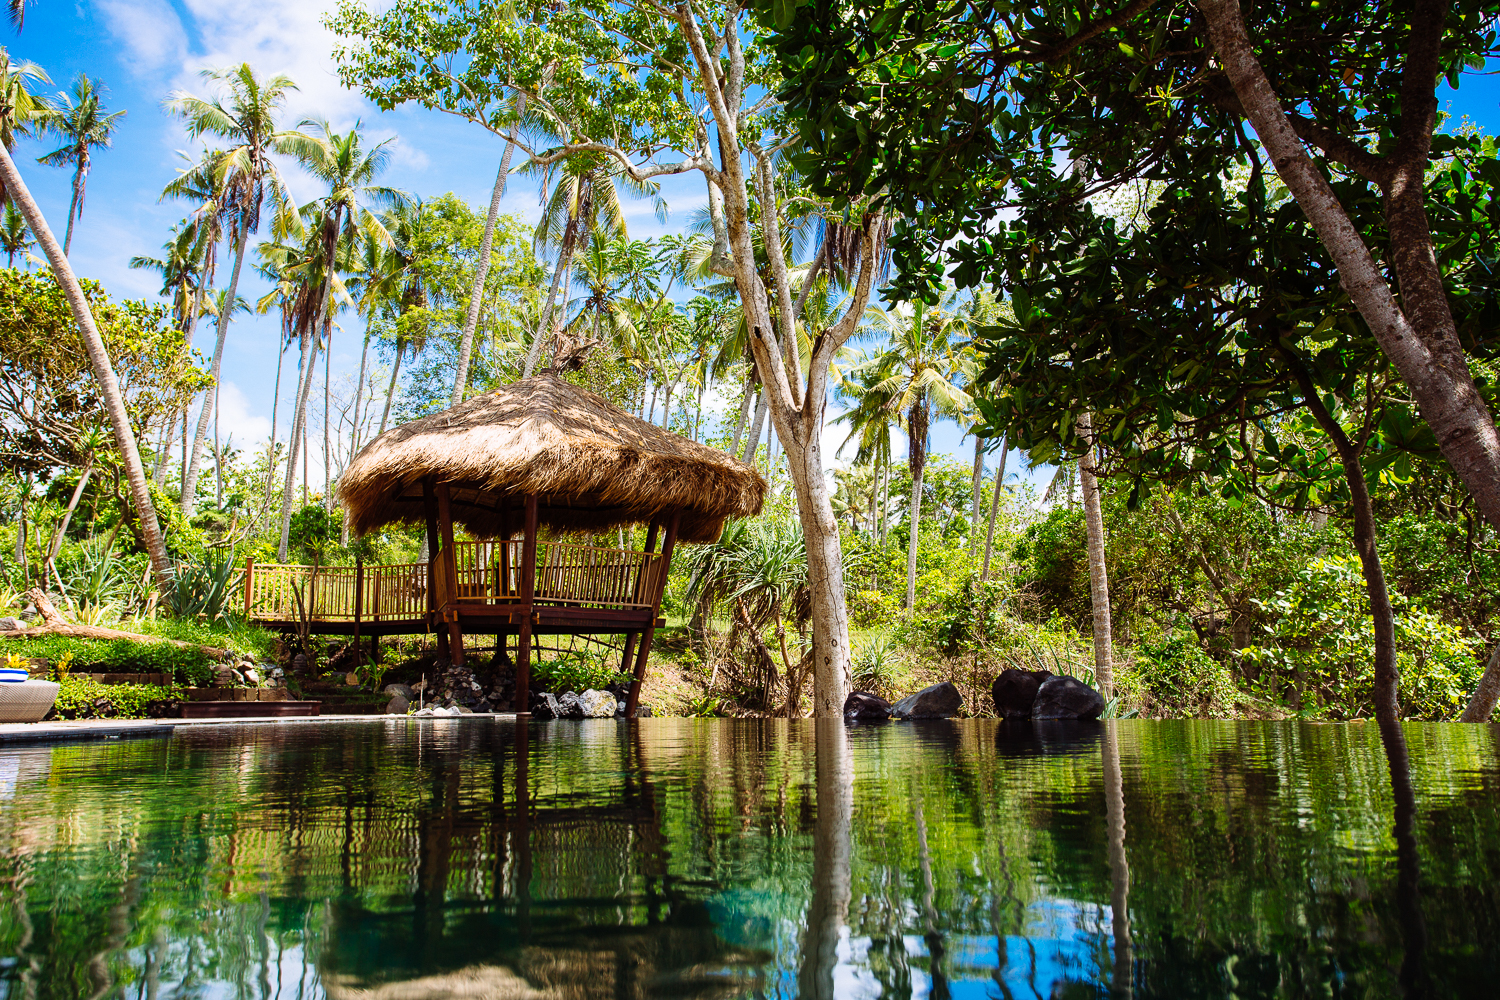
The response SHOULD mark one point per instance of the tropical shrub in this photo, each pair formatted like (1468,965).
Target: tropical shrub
(578,670)
(1177,679)
(81,697)
(1319,648)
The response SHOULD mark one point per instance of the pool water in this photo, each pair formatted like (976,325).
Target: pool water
(479,858)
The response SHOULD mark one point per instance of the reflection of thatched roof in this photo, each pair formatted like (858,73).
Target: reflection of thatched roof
(592,465)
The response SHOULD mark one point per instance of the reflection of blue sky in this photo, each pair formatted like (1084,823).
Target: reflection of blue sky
(1064,942)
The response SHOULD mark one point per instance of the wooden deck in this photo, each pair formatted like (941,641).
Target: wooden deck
(577,587)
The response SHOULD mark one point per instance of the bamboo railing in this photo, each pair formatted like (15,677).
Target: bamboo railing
(488,572)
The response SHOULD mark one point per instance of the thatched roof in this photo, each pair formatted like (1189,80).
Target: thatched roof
(592,465)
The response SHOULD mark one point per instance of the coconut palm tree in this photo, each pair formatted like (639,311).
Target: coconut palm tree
(918,373)
(232,185)
(22,113)
(104,372)
(80,121)
(348,168)
(15,238)
(585,199)
(398,286)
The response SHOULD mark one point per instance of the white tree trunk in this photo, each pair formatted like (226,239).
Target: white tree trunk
(912,542)
(482,269)
(977,488)
(1093,514)
(109,385)
(210,397)
(989,534)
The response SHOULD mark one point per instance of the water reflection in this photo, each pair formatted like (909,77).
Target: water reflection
(713,859)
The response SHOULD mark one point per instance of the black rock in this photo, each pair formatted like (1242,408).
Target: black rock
(936,702)
(1066,698)
(1014,692)
(643,711)
(544,705)
(861,706)
(571,704)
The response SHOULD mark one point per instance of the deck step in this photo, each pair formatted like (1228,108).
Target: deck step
(248,709)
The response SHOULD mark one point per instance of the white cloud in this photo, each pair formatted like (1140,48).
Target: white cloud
(150,29)
(235,419)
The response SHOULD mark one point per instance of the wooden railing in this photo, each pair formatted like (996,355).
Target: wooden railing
(487,573)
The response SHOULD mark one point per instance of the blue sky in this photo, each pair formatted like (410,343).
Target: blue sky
(145,49)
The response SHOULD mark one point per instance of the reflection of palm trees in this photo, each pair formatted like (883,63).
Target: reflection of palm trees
(1119,867)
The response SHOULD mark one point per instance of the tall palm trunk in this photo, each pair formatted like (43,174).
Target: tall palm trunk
(211,395)
(327,450)
(564,259)
(73,205)
(745,403)
(275,406)
(482,269)
(114,400)
(359,395)
(189,327)
(752,443)
(390,390)
(989,534)
(1093,515)
(978,487)
(299,426)
(916,460)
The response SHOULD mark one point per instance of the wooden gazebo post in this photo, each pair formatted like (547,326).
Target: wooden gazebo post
(668,543)
(526,609)
(435,588)
(450,574)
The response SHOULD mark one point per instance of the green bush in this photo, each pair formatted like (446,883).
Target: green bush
(874,608)
(1181,680)
(1320,645)
(577,670)
(186,665)
(86,698)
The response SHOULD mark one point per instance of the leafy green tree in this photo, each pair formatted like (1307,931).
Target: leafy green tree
(15,238)
(79,120)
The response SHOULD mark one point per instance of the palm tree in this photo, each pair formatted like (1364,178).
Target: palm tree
(79,120)
(396,284)
(15,238)
(182,280)
(348,168)
(585,200)
(109,384)
(1093,516)
(238,180)
(917,373)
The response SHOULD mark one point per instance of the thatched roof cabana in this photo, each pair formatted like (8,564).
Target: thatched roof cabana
(591,465)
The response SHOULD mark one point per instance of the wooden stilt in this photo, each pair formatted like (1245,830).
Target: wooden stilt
(434,577)
(525,608)
(668,543)
(450,575)
(359,607)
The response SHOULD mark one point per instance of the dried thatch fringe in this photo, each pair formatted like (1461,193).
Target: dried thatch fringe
(594,466)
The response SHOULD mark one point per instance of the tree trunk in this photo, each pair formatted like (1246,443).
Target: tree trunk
(482,269)
(390,390)
(164,451)
(1486,693)
(73,207)
(62,526)
(211,395)
(752,443)
(359,396)
(1422,342)
(1387,676)
(114,401)
(916,461)
(327,448)
(978,488)
(299,424)
(1121,982)
(832,886)
(989,534)
(745,403)
(544,329)
(1093,515)
(294,441)
(275,406)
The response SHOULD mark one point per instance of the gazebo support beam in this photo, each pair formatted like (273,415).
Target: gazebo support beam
(450,575)
(527,602)
(434,576)
(668,543)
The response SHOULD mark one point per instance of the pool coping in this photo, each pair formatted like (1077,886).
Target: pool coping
(111,729)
